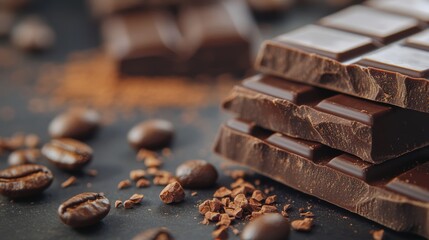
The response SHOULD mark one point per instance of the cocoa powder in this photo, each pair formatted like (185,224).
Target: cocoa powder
(90,78)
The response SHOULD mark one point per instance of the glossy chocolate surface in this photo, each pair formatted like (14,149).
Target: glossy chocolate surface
(372,131)
(371,53)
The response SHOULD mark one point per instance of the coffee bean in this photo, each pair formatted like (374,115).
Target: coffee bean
(271,226)
(153,134)
(154,234)
(24,180)
(196,174)
(32,35)
(84,209)
(67,154)
(77,123)
(24,156)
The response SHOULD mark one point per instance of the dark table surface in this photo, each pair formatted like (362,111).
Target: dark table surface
(37,218)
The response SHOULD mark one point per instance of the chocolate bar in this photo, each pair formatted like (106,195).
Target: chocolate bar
(372,131)
(361,51)
(394,194)
(204,39)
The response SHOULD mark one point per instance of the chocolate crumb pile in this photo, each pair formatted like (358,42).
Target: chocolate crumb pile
(242,201)
(90,78)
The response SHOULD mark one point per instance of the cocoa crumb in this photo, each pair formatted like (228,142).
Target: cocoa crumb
(118,203)
(271,199)
(286,207)
(137,174)
(284,214)
(142,154)
(172,193)
(162,178)
(242,183)
(152,171)
(128,204)
(303,225)
(221,233)
(301,210)
(222,192)
(142,183)
(236,174)
(136,198)
(204,207)
(377,234)
(154,162)
(224,220)
(307,214)
(215,205)
(225,201)
(269,209)
(70,181)
(258,195)
(124,184)
(205,221)
(241,190)
(241,201)
(212,216)
(92,172)
(255,215)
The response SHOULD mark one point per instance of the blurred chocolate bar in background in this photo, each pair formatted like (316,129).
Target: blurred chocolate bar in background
(209,38)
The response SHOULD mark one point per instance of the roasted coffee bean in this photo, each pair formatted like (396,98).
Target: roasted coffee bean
(67,154)
(154,234)
(24,156)
(24,180)
(271,226)
(196,174)
(84,209)
(77,123)
(32,34)
(153,134)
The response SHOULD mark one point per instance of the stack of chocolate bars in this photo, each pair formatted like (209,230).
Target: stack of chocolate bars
(177,37)
(341,112)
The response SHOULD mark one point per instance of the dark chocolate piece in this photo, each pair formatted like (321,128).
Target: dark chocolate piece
(372,131)
(379,25)
(348,54)
(398,200)
(143,43)
(414,8)
(202,39)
